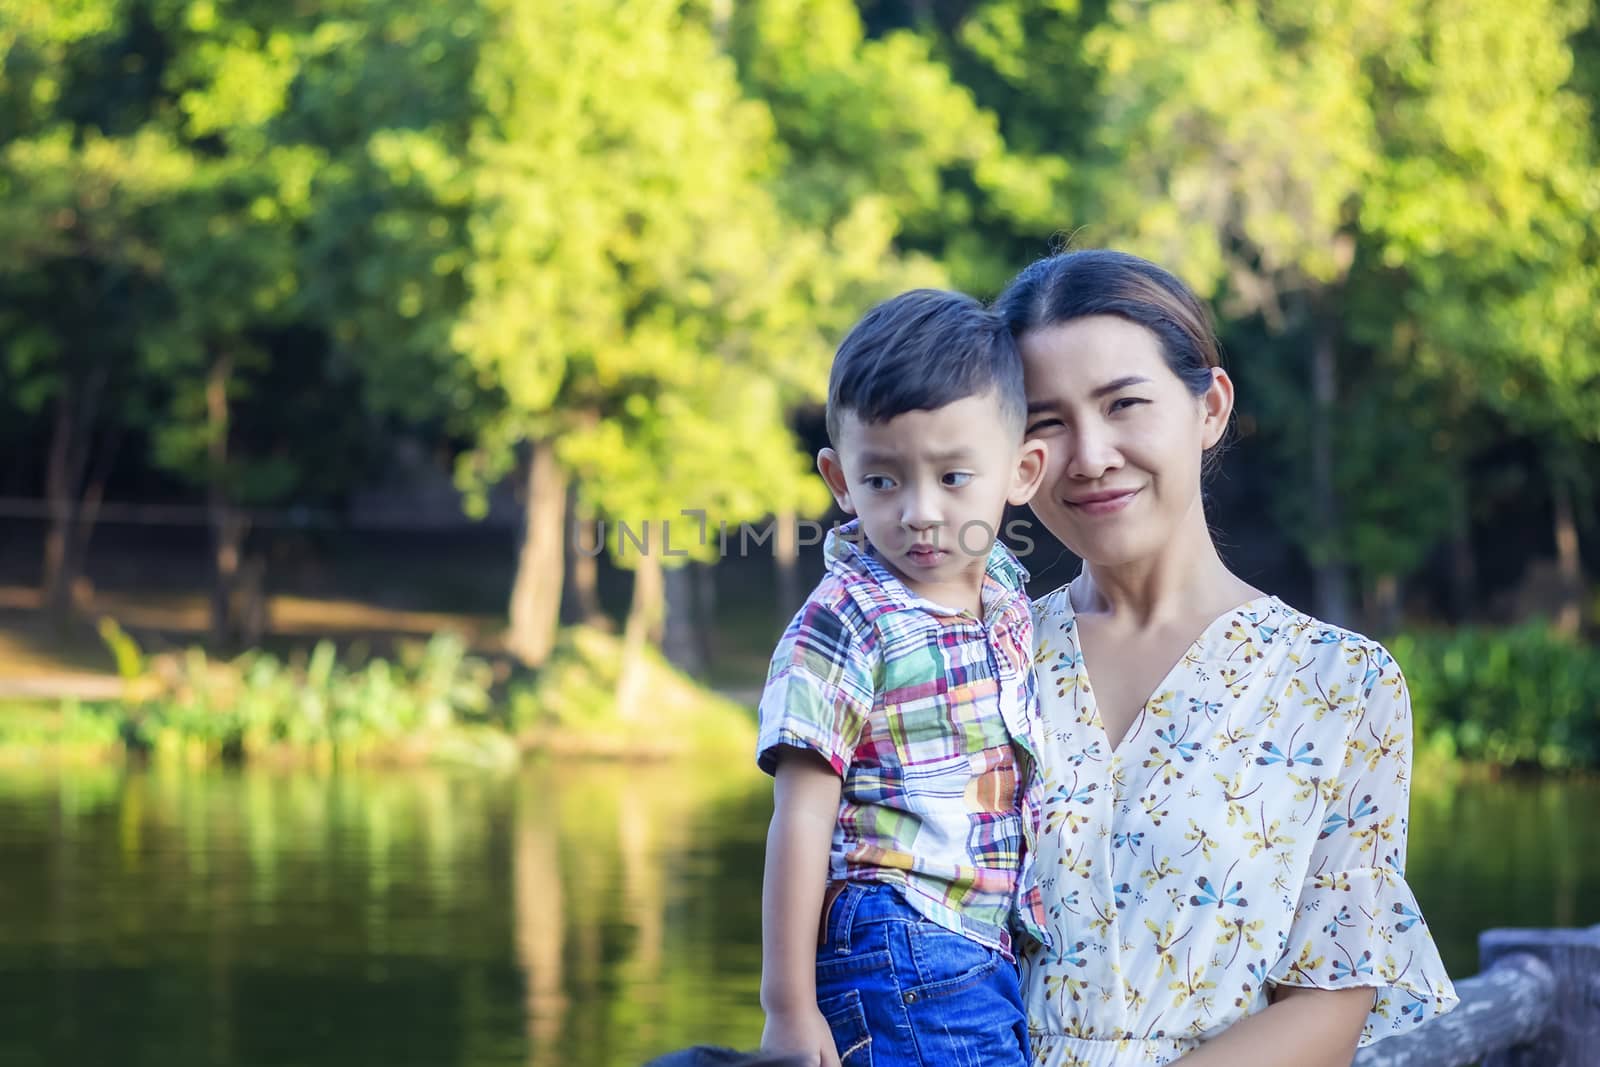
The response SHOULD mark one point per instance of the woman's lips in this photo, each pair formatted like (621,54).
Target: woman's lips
(1108,502)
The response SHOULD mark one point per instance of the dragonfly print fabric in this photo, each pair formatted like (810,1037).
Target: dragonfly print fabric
(1249,830)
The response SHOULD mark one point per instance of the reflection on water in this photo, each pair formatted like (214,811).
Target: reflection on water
(568,916)
(572,915)
(1488,854)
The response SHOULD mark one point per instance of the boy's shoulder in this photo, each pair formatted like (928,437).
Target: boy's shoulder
(857,598)
(851,617)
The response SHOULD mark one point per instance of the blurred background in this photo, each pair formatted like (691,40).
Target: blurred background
(406,411)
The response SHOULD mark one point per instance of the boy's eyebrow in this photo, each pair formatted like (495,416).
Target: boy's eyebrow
(885,459)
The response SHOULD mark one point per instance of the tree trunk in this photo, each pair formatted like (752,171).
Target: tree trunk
(644,615)
(56,582)
(536,590)
(680,642)
(94,492)
(1383,605)
(1332,592)
(585,541)
(786,555)
(228,527)
(70,439)
(1463,565)
(705,606)
(721,18)
(1569,563)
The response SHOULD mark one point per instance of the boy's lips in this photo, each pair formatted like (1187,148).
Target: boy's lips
(926,555)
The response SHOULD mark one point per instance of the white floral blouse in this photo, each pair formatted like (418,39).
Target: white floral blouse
(1249,829)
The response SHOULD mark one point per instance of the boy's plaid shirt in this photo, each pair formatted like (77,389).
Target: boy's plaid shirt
(930,719)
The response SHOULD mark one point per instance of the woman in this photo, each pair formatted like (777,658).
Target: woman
(1223,846)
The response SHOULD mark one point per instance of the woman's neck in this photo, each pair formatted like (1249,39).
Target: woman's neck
(1186,578)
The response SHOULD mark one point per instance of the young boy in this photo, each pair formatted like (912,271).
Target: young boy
(898,717)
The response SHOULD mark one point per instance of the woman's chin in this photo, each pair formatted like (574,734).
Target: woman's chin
(1112,548)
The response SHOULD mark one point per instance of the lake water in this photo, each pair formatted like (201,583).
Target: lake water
(574,915)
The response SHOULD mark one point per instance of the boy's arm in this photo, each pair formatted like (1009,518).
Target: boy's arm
(805,810)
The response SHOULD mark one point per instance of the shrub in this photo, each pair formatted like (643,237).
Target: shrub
(1521,696)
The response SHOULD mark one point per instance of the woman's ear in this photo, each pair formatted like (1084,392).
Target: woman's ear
(1217,404)
(1029,473)
(832,470)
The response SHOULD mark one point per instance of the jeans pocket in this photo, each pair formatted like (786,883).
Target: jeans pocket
(847,1020)
(946,962)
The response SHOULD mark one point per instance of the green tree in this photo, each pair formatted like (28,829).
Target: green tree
(628,265)
(84,259)
(1336,174)
(882,120)
(80,181)
(1489,207)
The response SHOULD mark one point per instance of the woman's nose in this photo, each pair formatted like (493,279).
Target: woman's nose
(1091,453)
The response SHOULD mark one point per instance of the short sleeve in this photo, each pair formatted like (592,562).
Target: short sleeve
(1357,922)
(819,689)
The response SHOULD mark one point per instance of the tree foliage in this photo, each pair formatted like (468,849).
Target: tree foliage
(249,240)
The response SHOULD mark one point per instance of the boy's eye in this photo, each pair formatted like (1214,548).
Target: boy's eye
(1044,424)
(956,479)
(878,482)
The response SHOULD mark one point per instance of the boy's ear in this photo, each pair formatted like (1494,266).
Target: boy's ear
(832,470)
(1030,472)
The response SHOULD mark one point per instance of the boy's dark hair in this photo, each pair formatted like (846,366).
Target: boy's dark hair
(922,350)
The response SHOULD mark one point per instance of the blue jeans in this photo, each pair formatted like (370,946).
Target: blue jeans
(899,990)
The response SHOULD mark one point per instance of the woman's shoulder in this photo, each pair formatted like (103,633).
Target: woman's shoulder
(1343,669)
(1311,636)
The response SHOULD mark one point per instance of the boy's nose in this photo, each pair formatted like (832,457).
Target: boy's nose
(920,511)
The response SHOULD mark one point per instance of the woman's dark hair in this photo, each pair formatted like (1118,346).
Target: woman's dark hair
(1075,285)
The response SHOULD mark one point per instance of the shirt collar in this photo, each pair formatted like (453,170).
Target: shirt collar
(846,550)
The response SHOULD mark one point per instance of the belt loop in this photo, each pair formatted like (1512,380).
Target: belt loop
(837,920)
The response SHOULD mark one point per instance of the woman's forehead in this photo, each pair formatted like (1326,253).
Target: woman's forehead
(1089,357)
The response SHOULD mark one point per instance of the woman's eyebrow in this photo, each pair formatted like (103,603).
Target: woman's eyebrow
(1119,384)
(1053,404)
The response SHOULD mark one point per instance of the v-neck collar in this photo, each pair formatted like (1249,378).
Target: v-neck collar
(1196,652)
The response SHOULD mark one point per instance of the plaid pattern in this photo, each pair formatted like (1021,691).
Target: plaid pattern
(930,719)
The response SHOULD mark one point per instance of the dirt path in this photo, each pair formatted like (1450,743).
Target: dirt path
(37,662)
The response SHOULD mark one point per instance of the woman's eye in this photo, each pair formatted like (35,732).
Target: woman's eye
(1122,403)
(1043,424)
(956,479)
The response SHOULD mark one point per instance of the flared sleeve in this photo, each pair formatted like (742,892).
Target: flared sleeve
(1357,922)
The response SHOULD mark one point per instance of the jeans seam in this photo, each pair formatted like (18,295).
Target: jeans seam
(902,1009)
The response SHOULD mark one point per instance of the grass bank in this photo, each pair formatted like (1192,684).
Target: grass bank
(432,702)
